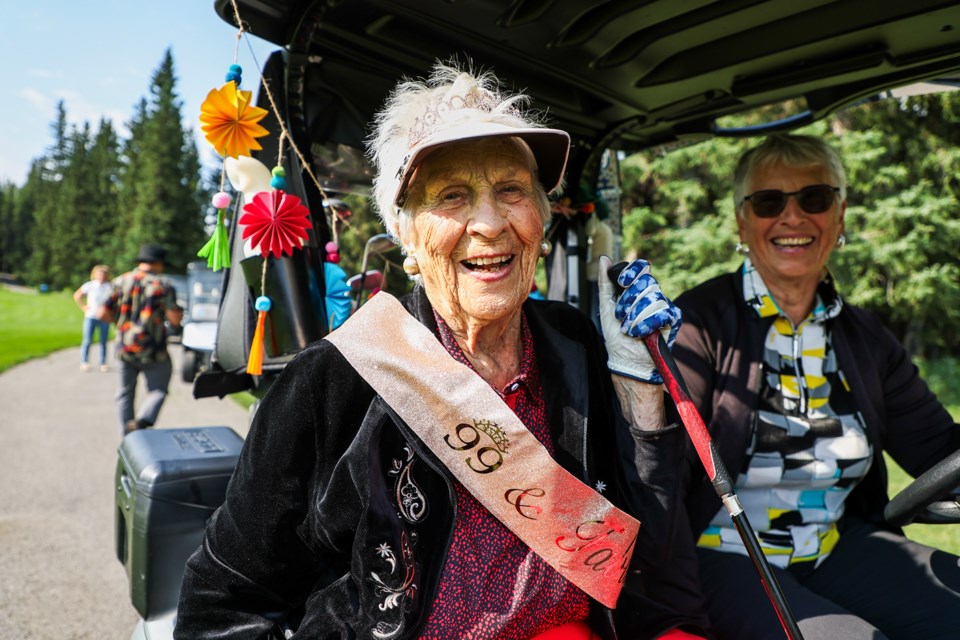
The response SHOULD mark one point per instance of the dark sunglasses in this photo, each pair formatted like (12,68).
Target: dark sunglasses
(769,203)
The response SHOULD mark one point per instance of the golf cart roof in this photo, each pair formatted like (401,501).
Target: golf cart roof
(615,74)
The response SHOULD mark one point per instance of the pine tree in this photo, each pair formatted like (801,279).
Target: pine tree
(104,221)
(130,173)
(22,252)
(45,183)
(8,231)
(163,176)
(68,248)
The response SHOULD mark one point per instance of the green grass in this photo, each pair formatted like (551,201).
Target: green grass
(941,536)
(943,376)
(33,325)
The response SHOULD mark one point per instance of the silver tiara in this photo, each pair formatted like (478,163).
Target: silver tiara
(476,99)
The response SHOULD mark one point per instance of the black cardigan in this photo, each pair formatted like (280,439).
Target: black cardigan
(317,493)
(719,349)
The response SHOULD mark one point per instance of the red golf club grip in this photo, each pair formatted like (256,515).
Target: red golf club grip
(689,415)
(715,469)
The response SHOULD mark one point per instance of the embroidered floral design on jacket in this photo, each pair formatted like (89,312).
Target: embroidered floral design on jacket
(411,502)
(399,595)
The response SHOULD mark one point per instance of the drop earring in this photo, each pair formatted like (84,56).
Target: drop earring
(742,248)
(841,240)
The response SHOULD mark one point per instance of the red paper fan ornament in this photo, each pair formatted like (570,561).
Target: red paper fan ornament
(275,222)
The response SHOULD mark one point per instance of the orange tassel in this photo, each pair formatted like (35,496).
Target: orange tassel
(255,362)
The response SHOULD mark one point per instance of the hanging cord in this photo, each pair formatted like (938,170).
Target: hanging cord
(273,104)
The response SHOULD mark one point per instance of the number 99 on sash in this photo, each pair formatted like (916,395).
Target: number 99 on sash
(489,458)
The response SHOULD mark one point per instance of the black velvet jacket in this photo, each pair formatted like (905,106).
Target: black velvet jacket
(338,517)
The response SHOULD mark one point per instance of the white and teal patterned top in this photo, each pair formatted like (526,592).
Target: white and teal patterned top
(808,449)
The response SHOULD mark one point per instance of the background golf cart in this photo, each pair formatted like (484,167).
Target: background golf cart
(179,284)
(621,76)
(199,326)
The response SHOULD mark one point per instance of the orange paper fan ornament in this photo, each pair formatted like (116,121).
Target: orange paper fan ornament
(230,122)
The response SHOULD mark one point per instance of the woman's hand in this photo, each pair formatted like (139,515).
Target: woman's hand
(638,311)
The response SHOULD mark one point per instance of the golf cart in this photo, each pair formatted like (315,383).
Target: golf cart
(199,325)
(619,76)
(179,284)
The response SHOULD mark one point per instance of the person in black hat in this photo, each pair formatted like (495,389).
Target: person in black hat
(140,303)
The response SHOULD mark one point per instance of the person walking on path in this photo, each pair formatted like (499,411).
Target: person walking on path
(140,302)
(90,297)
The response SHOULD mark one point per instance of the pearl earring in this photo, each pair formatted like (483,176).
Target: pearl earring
(545,248)
(841,240)
(742,248)
(410,266)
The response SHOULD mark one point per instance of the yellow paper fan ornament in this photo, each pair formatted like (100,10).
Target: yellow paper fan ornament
(230,122)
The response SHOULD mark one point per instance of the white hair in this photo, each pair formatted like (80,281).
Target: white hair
(415,108)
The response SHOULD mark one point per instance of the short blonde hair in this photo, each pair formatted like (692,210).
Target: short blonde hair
(99,267)
(789,150)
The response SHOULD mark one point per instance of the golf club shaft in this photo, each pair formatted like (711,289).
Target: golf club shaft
(720,479)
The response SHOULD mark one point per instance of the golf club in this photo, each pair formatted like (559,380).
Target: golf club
(376,245)
(716,471)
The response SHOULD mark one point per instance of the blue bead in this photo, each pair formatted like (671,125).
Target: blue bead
(235,68)
(277,182)
(235,77)
(262,304)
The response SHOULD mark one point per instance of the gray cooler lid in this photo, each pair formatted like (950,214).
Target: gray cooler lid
(183,464)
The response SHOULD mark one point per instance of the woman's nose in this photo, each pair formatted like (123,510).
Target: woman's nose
(792,212)
(488,217)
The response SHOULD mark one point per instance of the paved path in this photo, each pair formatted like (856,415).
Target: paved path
(59,575)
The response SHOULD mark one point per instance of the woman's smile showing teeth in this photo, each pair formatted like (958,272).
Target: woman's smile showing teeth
(797,241)
(490,264)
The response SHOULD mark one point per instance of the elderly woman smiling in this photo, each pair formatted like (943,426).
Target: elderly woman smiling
(455,464)
(803,392)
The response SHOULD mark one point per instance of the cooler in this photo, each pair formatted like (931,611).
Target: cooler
(168,484)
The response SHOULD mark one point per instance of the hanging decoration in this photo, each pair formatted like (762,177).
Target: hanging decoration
(273,222)
(229,122)
(255,360)
(276,223)
(217,248)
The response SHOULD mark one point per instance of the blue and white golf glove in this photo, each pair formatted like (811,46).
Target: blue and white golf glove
(627,318)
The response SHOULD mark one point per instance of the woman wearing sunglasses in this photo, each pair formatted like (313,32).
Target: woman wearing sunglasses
(803,392)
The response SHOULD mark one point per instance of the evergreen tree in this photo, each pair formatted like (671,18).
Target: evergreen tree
(8,227)
(105,166)
(902,222)
(164,181)
(130,173)
(68,245)
(45,184)
(22,251)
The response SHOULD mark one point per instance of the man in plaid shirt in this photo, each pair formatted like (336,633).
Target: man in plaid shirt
(140,304)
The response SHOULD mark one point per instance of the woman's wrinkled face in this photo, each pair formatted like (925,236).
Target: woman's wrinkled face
(795,245)
(476,229)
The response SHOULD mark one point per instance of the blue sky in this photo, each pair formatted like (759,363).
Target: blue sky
(98,57)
